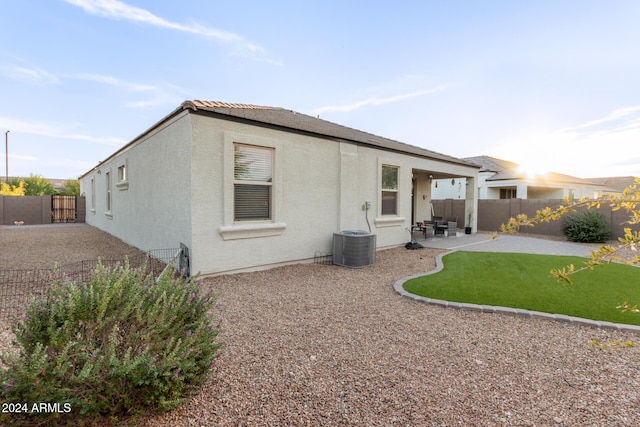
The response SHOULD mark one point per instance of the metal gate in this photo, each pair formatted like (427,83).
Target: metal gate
(63,208)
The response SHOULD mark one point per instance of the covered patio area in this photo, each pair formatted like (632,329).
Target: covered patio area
(441,218)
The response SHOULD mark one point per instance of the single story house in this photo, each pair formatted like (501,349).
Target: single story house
(614,184)
(502,179)
(247,187)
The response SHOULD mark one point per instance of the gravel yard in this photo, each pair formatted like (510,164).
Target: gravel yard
(326,345)
(40,246)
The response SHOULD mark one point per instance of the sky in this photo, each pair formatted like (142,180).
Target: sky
(551,85)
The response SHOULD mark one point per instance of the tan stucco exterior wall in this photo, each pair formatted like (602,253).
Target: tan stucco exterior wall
(151,209)
(180,189)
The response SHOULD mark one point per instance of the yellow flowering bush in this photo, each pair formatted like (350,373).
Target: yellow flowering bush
(12,190)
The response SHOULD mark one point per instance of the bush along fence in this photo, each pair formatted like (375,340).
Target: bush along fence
(17,286)
(492,213)
(124,344)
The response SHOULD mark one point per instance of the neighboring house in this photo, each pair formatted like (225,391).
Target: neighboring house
(58,184)
(449,188)
(246,186)
(613,185)
(501,179)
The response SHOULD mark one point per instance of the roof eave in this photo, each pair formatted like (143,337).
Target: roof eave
(370,142)
(159,123)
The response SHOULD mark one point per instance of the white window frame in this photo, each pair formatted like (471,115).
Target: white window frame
(109,194)
(93,195)
(508,192)
(123,176)
(231,229)
(390,220)
(266,184)
(383,189)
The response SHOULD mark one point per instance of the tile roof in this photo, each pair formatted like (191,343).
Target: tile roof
(492,164)
(506,170)
(301,122)
(615,183)
(216,104)
(283,118)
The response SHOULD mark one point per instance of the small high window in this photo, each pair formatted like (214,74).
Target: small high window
(123,182)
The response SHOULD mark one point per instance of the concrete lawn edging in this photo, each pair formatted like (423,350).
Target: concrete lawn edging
(398,287)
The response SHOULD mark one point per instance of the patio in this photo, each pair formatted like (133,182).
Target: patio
(483,242)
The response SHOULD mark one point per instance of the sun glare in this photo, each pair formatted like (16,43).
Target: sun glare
(533,169)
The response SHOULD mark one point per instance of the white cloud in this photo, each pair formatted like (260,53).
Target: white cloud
(375,102)
(119,10)
(156,95)
(30,74)
(113,81)
(55,131)
(50,166)
(605,146)
(20,157)
(620,119)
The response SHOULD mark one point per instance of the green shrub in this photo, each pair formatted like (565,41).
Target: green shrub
(120,344)
(586,227)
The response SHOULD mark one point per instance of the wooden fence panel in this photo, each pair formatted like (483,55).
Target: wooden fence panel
(63,209)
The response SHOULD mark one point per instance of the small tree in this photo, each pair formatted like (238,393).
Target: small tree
(628,200)
(38,186)
(12,190)
(71,187)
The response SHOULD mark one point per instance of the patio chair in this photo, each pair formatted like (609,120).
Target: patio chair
(429,228)
(448,227)
(452,226)
(439,225)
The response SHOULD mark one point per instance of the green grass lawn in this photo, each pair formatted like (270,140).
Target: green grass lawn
(524,281)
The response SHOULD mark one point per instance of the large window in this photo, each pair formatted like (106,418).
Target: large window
(252,182)
(389,190)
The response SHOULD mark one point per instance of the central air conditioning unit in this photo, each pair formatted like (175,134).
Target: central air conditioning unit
(354,248)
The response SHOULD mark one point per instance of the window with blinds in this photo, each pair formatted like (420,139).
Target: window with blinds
(253,180)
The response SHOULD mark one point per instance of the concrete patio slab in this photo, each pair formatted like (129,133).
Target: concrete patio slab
(506,243)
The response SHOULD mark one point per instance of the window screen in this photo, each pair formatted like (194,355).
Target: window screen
(253,178)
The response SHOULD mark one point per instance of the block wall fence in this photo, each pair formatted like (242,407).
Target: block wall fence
(32,210)
(492,213)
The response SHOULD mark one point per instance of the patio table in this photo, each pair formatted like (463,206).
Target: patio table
(426,228)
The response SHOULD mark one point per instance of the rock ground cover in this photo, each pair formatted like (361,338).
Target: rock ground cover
(327,345)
